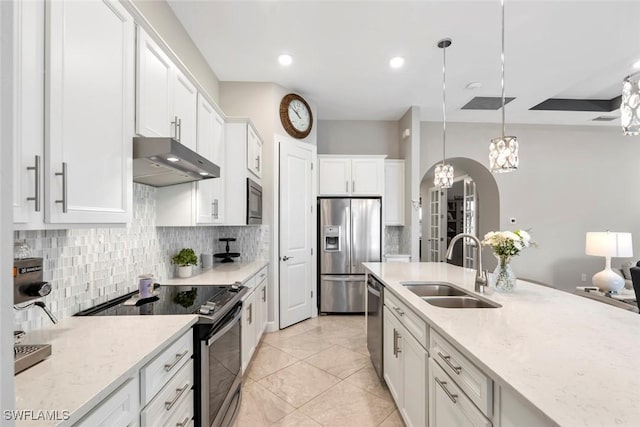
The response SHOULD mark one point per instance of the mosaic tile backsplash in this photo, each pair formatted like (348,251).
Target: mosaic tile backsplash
(92,265)
(397,240)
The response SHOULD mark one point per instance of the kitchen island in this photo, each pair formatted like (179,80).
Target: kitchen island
(571,360)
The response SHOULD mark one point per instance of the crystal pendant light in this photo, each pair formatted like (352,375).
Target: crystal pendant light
(630,105)
(503,151)
(443,175)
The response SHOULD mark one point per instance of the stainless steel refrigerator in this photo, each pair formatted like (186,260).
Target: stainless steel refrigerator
(349,234)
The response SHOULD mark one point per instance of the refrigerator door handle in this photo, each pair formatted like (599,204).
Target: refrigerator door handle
(343,278)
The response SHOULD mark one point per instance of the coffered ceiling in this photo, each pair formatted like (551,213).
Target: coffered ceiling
(341,51)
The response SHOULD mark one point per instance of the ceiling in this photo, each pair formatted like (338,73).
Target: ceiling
(341,52)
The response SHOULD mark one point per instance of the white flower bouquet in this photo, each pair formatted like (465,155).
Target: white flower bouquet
(507,243)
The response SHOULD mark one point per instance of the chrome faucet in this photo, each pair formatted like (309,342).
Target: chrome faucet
(481,275)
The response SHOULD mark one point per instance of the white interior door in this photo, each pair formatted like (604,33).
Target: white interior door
(469,223)
(435,224)
(297,282)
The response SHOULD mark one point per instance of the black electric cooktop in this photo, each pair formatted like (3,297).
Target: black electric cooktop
(205,300)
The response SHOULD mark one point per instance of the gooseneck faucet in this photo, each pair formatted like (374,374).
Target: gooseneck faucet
(481,275)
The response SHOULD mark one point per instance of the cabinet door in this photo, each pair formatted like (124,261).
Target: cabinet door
(254,152)
(248,330)
(394,192)
(88,141)
(367,177)
(335,177)
(392,359)
(28,141)
(185,105)
(448,405)
(414,380)
(153,83)
(121,408)
(218,157)
(205,147)
(262,312)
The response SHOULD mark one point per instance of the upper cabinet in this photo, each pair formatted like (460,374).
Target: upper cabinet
(254,153)
(351,175)
(89,112)
(394,192)
(166,102)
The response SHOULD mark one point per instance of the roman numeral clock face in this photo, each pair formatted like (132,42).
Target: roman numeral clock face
(296,116)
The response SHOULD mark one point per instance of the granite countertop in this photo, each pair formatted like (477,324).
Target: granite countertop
(574,359)
(91,357)
(221,274)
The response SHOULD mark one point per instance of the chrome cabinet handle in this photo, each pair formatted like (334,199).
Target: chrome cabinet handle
(264,294)
(179,392)
(447,360)
(175,127)
(251,313)
(396,343)
(443,384)
(397,310)
(63,174)
(179,356)
(215,209)
(36,169)
(353,186)
(179,126)
(184,422)
(257,163)
(286,258)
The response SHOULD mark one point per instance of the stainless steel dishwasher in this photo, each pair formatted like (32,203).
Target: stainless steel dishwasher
(375,302)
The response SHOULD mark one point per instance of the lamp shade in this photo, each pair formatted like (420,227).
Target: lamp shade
(609,244)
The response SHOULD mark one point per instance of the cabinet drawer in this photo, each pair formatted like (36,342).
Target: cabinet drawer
(448,405)
(119,409)
(182,416)
(170,399)
(414,324)
(476,385)
(262,274)
(155,374)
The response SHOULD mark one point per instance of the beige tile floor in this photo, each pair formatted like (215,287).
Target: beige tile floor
(316,373)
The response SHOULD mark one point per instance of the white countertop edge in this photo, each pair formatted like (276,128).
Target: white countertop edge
(220,274)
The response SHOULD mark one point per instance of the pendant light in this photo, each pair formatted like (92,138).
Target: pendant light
(630,105)
(443,176)
(503,151)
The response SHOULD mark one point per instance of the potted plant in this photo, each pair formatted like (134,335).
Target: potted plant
(185,260)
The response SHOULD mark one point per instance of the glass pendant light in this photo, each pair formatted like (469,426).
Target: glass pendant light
(443,175)
(630,105)
(503,151)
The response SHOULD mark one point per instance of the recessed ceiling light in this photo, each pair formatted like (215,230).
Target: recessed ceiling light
(473,85)
(636,65)
(285,59)
(173,159)
(396,62)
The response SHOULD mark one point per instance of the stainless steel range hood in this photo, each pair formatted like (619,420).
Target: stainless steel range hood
(164,161)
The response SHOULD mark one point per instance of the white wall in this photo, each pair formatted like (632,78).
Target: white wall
(359,137)
(410,151)
(261,103)
(571,180)
(164,21)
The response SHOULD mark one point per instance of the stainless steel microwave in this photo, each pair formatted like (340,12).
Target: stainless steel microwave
(254,202)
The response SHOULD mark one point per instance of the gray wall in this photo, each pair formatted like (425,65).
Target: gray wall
(164,21)
(571,180)
(359,137)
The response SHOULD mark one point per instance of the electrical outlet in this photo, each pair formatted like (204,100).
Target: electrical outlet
(583,277)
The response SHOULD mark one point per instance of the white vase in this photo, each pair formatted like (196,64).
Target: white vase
(185,271)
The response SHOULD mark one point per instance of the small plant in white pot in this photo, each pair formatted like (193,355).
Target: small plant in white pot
(185,260)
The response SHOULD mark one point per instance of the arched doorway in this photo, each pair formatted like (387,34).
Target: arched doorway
(472,205)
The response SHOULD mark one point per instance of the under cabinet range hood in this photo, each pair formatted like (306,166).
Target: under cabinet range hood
(160,162)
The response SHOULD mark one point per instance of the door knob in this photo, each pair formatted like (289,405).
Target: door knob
(286,258)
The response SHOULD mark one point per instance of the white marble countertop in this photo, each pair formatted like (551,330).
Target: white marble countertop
(221,274)
(574,359)
(91,357)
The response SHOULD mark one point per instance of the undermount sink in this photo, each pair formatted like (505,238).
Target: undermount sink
(432,289)
(460,302)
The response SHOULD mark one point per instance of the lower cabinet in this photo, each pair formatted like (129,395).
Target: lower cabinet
(254,316)
(121,408)
(448,405)
(405,370)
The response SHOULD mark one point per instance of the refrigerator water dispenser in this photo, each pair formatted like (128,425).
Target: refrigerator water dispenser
(331,238)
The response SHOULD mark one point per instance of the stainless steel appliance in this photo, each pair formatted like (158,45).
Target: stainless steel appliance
(375,304)
(217,352)
(350,234)
(254,202)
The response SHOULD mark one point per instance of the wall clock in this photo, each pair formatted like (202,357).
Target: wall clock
(295,115)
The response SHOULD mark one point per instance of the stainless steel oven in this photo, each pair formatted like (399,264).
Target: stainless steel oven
(218,352)
(254,202)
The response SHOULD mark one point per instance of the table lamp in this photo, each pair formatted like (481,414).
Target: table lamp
(608,244)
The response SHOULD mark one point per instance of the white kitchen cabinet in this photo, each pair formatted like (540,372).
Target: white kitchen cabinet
(120,408)
(405,370)
(448,405)
(254,153)
(393,192)
(166,102)
(261,295)
(89,112)
(248,329)
(351,176)
(237,171)
(28,141)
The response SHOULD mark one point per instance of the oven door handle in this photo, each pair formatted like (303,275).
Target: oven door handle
(224,330)
(373,291)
